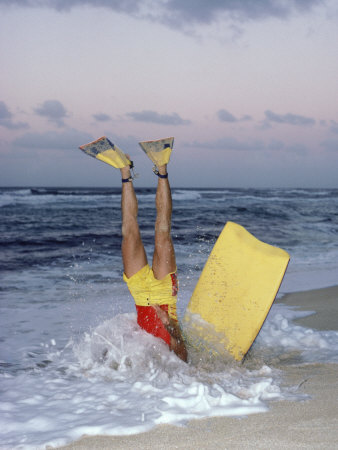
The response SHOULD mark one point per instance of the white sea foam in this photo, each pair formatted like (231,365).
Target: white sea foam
(24,197)
(117,379)
(12,196)
(5,200)
(186,195)
(149,196)
(308,192)
(281,335)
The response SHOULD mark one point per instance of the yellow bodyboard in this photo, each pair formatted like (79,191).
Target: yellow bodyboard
(235,292)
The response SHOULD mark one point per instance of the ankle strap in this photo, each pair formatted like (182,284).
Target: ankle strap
(156,172)
(126,180)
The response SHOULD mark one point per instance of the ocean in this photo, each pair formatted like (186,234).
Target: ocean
(64,304)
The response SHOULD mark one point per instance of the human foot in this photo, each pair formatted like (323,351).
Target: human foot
(161,171)
(125,171)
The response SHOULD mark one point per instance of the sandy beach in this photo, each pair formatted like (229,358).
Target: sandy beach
(312,423)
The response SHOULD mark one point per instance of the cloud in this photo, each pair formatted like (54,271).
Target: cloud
(298,149)
(330,144)
(101,117)
(6,119)
(180,13)
(122,6)
(290,119)
(53,140)
(334,127)
(4,111)
(207,12)
(276,145)
(154,117)
(232,144)
(52,110)
(229,143)
(226,116)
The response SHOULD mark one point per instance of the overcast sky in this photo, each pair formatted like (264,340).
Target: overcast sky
(249,90)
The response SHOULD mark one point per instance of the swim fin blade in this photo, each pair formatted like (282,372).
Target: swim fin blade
(104,150)
(158,151)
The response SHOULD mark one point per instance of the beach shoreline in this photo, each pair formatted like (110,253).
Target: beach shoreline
(311,423)
(324,303)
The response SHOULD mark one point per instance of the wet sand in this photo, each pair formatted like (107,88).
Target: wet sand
(308,424)
(323,301)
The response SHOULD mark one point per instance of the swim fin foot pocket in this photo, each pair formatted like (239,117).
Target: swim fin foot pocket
(125,180)
(158,151)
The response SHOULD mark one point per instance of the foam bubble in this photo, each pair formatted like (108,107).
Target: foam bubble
(117,379)
(282,336)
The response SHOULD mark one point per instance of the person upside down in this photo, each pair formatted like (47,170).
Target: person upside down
(155,288)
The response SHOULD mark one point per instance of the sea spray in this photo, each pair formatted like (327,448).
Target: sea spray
(73,360)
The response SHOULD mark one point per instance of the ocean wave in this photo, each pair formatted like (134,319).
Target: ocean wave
(75,191)
(69,200)
(311,192)
(180,195)
(12,196)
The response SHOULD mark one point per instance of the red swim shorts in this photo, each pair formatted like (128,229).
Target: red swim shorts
(148,319)
(148,291)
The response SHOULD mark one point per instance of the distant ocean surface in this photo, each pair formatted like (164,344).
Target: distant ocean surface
(63,302)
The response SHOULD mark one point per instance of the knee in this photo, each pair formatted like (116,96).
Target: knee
(130,230)
(163,238)
(162,228)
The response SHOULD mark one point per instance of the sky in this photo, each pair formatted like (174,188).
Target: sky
(249,90)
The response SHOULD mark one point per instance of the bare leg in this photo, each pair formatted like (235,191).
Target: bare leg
(133,253)
(164,260)
(176,340)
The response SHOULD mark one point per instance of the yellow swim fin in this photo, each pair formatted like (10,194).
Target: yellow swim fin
(104,150)
(158,151)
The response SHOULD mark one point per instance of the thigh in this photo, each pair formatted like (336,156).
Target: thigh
(133,254)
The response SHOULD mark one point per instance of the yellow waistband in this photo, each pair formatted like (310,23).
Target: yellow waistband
(147,290)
